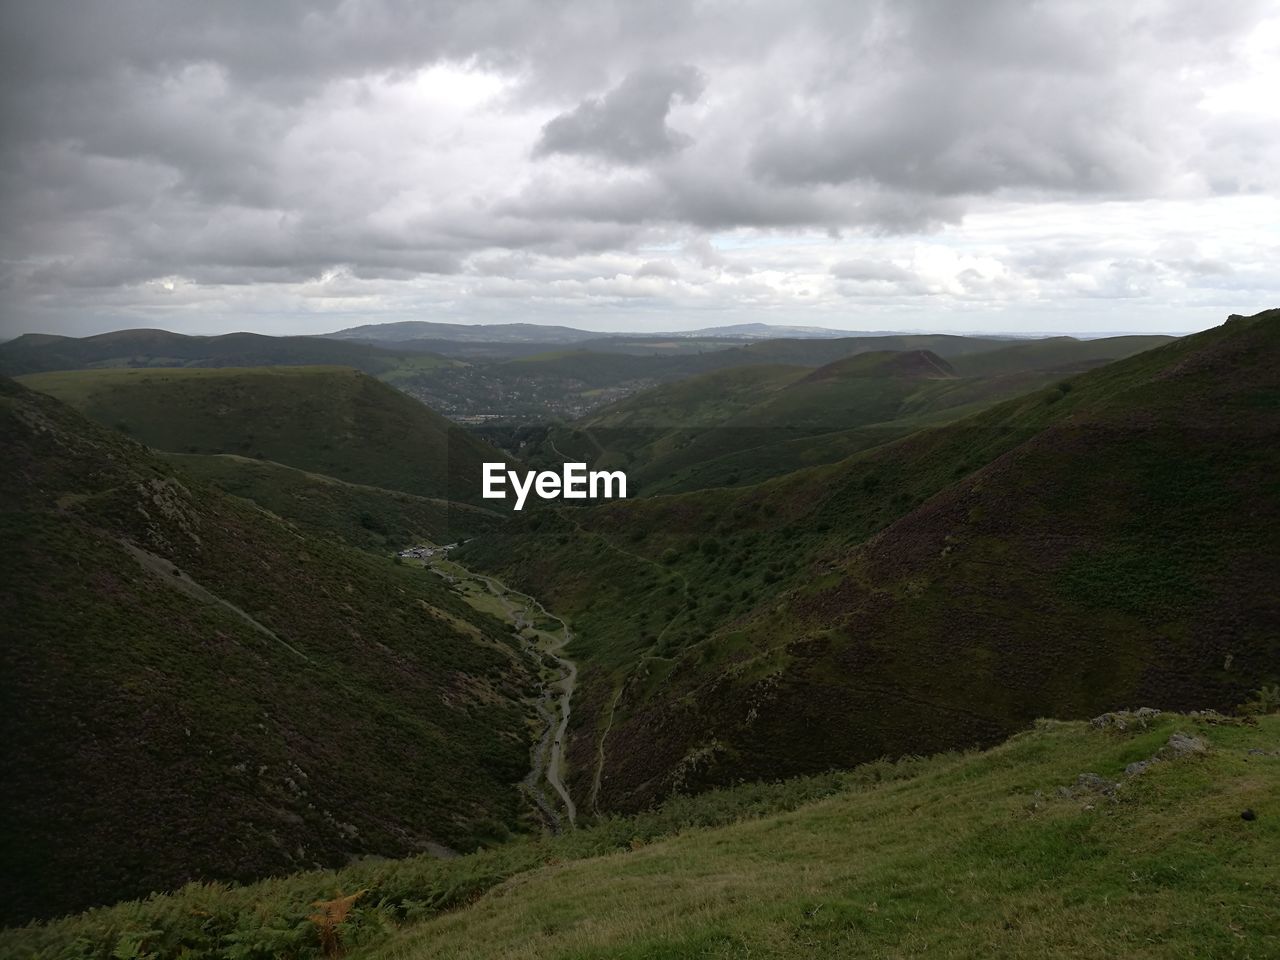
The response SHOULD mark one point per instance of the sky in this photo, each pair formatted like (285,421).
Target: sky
(978,166)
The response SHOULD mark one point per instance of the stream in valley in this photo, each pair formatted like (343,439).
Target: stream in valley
(543,636)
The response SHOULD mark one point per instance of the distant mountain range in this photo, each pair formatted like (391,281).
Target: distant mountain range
(465,332)
(538,333)
(407,331)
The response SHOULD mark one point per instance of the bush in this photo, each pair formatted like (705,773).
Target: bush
(1266,699)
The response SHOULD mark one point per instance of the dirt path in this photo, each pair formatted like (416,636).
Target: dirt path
(525,613)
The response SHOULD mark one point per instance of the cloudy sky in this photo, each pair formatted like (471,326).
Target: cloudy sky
(918,164)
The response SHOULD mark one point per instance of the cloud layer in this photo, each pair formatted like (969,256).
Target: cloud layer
(287,166)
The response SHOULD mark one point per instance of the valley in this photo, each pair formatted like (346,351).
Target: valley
(833,551)
(544,637)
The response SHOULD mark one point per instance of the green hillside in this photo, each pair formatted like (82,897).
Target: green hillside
(37,353)
(746,424)
(1112,539)
(328,420)
(195,689)
(815,353)
(1043,847)
(1065,354)
(363,516)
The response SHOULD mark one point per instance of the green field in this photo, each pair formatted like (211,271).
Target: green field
(1005,853)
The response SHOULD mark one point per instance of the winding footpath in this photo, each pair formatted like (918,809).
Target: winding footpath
(524,613)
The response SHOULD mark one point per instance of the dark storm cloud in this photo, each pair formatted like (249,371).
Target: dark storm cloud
(243,143)
(629,123)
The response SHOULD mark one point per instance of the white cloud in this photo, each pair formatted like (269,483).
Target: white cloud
(988,166)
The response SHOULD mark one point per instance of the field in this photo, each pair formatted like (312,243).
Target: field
(1007,853)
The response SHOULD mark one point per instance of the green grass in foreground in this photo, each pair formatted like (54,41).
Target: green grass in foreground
(973,855)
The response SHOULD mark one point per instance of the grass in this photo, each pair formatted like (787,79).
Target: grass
(959,855)
(329,420)
(973,857)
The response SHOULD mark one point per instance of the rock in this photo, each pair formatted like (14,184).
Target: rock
(1181,744)
(1248,815)
(1124,719)
(1138,767)
(1092,783)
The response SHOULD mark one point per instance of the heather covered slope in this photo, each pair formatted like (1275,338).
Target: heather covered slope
(194,689)
(327,420)
(1109,540)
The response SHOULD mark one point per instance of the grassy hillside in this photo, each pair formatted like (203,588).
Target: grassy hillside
(327,420)
(527,379)
(195,689)
(744,425)
(363,516)
(1065,354)
(1108,540)
(37,353)
(1007,853)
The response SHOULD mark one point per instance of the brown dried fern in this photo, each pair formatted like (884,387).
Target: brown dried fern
(329,918)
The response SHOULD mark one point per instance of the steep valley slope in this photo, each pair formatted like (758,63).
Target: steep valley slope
(196,689)
(1113,539)
(741,425)
(328,420)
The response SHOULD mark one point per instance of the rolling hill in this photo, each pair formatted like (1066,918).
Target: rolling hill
(534,373)
(461,332)
(39,353)
(195,689)
(1110,540)
(332,421)
(1057,354)
(746,424)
